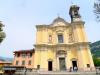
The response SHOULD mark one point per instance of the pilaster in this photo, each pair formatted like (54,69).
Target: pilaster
(79,33)
(92,67)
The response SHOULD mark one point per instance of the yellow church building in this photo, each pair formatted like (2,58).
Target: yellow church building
(63,46)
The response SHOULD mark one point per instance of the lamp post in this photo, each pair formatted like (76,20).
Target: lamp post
(2,34)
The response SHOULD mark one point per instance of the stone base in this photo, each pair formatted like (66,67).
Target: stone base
(57,73)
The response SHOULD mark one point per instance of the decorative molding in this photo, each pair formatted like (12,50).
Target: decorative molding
(71,35)
(60,52)
(58,20)
(62,44)
(78,23)
(74,59)
(50,59)
(65,47)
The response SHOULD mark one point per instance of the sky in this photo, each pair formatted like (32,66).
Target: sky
(21,16)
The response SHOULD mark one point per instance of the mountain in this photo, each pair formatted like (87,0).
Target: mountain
(95,48)
(6,59)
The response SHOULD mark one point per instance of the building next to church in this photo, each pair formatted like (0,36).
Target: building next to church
(60,46)
(24,58)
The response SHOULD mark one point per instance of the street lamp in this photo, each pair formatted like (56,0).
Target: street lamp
(2,34)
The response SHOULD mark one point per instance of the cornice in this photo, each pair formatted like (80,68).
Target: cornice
(65,26)
(52,27)
(78,23)
(62,45)
(41,26)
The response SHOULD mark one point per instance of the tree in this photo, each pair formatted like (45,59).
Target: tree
(2,34)
(96,61)
(97,9)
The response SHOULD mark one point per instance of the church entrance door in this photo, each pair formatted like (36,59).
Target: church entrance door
(62,64)
(49,65)
(74,63)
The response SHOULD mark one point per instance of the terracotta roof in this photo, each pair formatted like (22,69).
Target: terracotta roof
(24,51)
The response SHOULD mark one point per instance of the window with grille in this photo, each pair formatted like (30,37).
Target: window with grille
(23,62)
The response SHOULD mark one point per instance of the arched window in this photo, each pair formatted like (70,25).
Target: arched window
(50,38)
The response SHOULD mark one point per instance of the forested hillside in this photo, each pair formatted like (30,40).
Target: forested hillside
(95,48)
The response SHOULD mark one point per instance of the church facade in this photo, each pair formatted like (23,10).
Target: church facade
(63,46)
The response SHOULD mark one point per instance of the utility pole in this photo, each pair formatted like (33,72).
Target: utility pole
(2,34)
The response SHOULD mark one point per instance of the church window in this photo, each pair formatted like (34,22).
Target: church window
(60,38)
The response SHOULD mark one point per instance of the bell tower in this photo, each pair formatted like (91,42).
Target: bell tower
(74,13)
(84,57)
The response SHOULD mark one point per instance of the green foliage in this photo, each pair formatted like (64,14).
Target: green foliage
(97,9)
(96,61)
(95,48)
(2,34)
